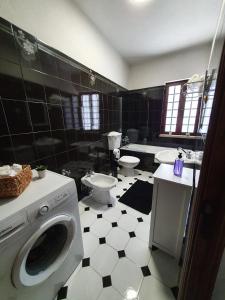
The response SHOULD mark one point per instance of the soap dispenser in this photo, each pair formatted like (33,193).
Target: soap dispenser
(178,165)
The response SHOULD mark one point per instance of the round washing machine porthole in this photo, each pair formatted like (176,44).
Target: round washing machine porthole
(44,252)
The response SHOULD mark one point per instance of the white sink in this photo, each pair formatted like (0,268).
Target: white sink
(169,156)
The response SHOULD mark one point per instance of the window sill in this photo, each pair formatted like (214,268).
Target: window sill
(181,136)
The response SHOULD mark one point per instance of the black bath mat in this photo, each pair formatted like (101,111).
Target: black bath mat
(139,196)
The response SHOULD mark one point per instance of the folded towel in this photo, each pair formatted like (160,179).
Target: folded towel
(16,167)
(10,171)
(5,170)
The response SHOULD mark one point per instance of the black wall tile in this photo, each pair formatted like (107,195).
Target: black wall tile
(72,137)
(18,116)
(45,126)
(39,116)
(34,91)
(23,145)
(60,141)
(48,63)
(8,49)
(11,84)
(85,80)
(3,122)
(6,151)
(52,95)
(61,160)
(55,116)
(44,144)
(67,72)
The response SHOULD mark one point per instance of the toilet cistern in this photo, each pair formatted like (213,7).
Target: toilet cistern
(114,141)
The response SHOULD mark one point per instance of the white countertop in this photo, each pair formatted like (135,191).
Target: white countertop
(165,172)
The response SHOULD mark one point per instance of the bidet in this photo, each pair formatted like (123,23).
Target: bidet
(101,185)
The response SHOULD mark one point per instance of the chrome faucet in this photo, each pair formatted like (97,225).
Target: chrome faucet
(89,173)
(187,153)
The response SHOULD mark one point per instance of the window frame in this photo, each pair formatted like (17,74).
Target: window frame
(90,95)
(180,114)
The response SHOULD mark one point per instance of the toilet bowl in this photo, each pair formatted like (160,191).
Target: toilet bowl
(128,163)
(101,185)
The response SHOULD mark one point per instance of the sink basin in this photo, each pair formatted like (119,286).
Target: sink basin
(169,156)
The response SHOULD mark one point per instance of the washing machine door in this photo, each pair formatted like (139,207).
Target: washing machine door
(44,252)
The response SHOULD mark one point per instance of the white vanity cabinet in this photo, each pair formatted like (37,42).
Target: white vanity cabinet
(170,203)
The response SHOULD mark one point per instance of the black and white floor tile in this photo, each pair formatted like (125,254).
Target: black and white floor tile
(117,259)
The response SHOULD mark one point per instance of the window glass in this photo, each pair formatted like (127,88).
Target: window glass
(90,112)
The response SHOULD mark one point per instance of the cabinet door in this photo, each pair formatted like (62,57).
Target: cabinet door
(172,201)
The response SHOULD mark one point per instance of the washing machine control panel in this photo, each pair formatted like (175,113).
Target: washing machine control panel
(60,198)
(49,204)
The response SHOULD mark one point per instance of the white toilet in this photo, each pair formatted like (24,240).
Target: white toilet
(101,185)
(128,163)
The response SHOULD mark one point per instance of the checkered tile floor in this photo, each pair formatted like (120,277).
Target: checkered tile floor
(116,253)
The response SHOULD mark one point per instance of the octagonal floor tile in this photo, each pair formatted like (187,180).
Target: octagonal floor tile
(117,238)
(112,214)
(87,218)
(138,252)
(104,259)
(151,288)
(90,243)
(87,285)
(126,274)
(111,294)
(101,227)
(127,222)
(147,218)
(142,231)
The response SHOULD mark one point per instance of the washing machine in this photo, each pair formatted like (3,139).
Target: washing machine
(40,239)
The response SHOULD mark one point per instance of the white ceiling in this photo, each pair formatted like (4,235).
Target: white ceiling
(155,28)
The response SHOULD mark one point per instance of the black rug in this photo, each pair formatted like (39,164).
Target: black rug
(139,196)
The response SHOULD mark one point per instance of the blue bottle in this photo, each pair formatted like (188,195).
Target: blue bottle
(178,165)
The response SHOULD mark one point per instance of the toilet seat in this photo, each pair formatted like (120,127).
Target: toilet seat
(129,159)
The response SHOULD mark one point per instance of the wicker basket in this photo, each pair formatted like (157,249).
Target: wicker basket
(13,186)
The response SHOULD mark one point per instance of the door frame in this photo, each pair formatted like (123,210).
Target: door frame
(206,233)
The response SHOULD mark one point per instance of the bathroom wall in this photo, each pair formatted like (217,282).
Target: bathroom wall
(173,66)
(44,117)
(142,110)
(63,26)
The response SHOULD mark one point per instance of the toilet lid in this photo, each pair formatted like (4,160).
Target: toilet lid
(129,159)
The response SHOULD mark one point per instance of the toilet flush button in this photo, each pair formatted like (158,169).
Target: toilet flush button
(43,210)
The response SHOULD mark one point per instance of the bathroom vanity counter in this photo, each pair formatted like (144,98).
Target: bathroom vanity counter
(170,204)
(165,172)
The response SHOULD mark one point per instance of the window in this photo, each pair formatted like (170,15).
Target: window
(90,111)
(181,109)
